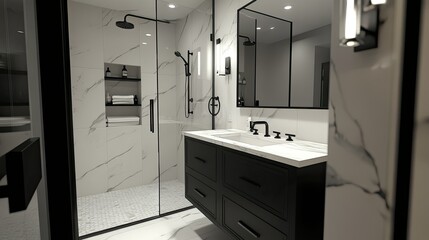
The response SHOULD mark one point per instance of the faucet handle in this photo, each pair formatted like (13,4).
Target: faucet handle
(277,134)
(290,136)
(255,131)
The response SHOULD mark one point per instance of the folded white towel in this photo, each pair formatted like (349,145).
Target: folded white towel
(122,124)
(122,102)
(123,119)
(123,96)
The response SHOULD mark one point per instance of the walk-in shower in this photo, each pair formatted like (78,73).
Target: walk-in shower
(129,157)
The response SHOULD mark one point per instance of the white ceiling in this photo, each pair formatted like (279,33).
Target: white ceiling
(146,8)
(306,15)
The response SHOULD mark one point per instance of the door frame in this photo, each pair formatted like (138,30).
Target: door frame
(55,78)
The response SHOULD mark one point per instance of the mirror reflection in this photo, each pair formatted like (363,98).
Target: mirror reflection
(284,54)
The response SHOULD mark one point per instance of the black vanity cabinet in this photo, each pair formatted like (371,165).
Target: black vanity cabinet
(255,198)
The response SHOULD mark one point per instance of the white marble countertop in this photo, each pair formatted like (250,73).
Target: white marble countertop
(298,153)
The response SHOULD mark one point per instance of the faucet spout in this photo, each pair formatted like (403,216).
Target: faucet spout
(267,130)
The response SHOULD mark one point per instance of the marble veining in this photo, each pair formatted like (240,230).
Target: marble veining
(359,149)
(297,153)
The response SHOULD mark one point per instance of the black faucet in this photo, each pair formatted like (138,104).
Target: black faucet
(252,127)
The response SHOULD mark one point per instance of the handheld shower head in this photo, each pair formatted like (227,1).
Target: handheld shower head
(178,54)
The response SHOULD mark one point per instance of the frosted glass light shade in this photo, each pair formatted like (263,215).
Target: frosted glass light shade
(350,22)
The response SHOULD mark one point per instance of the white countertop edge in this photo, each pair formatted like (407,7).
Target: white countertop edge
(257,151)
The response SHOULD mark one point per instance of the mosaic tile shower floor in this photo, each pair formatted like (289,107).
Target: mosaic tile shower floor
(107,210)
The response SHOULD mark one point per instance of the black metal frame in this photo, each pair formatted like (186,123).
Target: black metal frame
(404,158)
(54,63)
(290,63)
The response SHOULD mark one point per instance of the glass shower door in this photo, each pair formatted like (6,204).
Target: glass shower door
(184,48)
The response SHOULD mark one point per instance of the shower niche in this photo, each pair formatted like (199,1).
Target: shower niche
(122,95)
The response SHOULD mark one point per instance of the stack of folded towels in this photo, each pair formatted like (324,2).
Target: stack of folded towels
(123,99)
(122,121)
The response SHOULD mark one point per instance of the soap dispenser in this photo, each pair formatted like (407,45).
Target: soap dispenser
(249,120)
(124,72)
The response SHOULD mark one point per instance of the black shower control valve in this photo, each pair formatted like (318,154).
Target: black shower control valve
(290,136)
(277,134)
(255,131)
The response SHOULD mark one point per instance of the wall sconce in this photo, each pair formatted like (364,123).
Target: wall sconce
(359,20)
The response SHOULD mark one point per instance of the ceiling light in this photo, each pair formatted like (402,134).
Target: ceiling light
(148,34)
(258,28)
(19,31)
(144,43)
(272,28)
(288,7)
(171,5)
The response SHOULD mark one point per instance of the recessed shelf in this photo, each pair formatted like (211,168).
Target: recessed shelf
(122,79)
(122,105)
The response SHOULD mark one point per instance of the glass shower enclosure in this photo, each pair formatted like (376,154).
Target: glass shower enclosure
(129,147)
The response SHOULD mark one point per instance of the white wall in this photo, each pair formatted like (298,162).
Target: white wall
(303,64)
(364,111)
(306,124)
(419,195)
(272,81)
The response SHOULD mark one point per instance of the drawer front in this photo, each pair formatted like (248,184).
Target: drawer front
(262,183)
(246,225)
(201,157)
(201,193)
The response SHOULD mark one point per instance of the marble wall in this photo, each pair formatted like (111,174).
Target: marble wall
(309,125)
(364,113)
(419,209)
(192,33)
(109,159)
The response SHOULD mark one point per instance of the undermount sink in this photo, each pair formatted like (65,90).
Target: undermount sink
(247,139)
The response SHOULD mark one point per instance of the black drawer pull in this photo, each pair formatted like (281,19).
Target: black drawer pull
(251,182)
(200,193)
(248,229)
(201,160)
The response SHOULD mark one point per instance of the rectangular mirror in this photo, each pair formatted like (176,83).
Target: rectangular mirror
(284,54)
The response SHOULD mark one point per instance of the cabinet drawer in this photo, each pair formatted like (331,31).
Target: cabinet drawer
(201,157)
(260,182)
(246,225)
(201,193)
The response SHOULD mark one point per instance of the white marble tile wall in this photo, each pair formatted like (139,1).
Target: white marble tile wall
(86,37)
(121,46)
(124,163)
(309,125)
(364,100)
(91,161)
(86,51)
(193,33)
(95,39)
(419,209)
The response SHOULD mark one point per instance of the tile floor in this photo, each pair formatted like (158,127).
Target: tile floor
(107,210)
(187,225)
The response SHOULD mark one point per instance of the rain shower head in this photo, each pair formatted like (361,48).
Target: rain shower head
(248,42)
(127,25)
(124,24)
